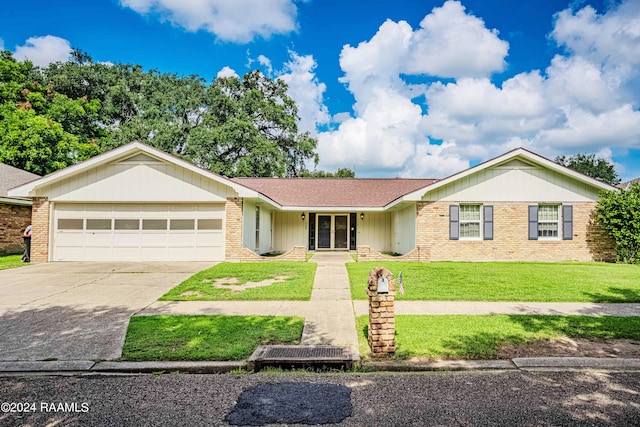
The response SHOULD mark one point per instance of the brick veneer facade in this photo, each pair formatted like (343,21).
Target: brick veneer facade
(13,220)
(233,230)
(510,241)
(40,230)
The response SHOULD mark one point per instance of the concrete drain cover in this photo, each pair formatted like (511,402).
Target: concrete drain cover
(292,403)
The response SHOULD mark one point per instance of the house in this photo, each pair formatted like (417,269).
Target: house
(15,212)
(138,203)
(627,185)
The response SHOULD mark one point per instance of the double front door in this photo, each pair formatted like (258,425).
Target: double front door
(333,231)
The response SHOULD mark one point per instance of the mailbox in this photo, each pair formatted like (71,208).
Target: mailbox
(383,285)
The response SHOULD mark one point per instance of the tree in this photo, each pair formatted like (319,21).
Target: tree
(340,173)
(619,213)
(31,137)
(589,165)
(249,128)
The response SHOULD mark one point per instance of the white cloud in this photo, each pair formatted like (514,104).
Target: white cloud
(235,21)
(451,43)
(42,51)
(227,72)
(585,100)
(1,44)
(305,89)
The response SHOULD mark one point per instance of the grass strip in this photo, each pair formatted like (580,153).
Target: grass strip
(11,261)
(206,337)
(481,336)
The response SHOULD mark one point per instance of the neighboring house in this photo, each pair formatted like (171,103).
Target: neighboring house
(627,185)
(15,212)
(138,203)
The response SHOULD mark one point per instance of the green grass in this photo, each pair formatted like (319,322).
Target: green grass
(206,337)
(11,261)
(480,337)
(297,286)
(507,281)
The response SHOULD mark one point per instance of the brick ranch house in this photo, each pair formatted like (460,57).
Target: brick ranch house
(15,212)
(136,203)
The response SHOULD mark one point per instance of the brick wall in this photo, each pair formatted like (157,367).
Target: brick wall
(510,241)
(40,230)
(298,253)
(233,229)
(13,220)
(365,253)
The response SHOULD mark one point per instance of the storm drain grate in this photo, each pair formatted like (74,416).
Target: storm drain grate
(301,356)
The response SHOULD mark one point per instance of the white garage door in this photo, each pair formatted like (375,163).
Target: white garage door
(138,232)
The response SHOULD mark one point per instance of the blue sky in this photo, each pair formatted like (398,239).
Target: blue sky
(415,88)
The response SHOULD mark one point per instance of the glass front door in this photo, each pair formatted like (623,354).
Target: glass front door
(324,231)
(333,231)
(340,232)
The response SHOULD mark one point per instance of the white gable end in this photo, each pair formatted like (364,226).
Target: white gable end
(137,181)
(515,181)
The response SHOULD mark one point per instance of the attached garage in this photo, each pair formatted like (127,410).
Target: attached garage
(135,203)
(138,232)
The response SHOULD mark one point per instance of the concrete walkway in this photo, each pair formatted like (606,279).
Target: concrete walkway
(329,316)
(361,308)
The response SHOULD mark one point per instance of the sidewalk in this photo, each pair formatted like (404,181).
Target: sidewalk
(329,316)
(330,320)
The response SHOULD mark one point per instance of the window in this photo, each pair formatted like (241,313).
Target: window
(257,227)
(98,224)
(209,224)
(545,222)
(154,224)
(469,221)
(182,224)
(70,224)
(548,221)
(127,224)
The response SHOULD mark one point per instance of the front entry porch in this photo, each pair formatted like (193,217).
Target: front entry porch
(332,231)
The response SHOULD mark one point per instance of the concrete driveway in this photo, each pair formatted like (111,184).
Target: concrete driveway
(79,311)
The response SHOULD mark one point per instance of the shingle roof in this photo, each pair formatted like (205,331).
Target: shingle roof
(627,185)
(12,177)
(334,192)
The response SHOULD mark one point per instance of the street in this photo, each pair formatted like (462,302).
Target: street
(500,398)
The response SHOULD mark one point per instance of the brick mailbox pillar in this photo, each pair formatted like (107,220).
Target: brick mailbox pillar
(381,290)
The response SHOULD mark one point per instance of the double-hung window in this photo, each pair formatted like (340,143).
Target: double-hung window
(548,221)
(469,221)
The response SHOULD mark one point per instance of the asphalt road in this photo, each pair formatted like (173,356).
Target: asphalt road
(512,398)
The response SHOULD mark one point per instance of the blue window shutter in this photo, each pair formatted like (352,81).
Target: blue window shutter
(454,222)
(567,222)
(488,222)
(533,222)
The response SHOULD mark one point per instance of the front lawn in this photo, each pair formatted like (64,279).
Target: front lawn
(507,281)
(206,337)
(11,261)
(248,281)
(480,337)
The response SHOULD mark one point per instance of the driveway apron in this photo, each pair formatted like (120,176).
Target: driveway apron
(78,311)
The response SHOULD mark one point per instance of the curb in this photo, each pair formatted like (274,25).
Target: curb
(522,364)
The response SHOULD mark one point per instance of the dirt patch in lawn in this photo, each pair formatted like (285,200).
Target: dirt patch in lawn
(567,347)
(231,283)
(191,293)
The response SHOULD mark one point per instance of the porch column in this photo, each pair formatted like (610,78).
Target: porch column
(233,229)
